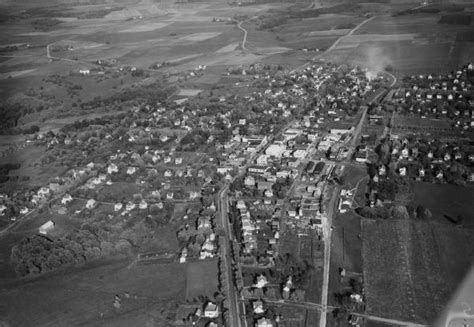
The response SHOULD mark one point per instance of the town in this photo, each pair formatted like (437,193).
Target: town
(261,176)
(317,194)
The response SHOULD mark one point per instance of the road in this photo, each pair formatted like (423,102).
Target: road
(232,294)
(327,227)
(327,230)
(335,44)
(244,40)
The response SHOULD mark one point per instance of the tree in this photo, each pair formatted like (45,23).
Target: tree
(399,212)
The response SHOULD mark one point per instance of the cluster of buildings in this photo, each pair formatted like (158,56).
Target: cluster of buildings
(438,97)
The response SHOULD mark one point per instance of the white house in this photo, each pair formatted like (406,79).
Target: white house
(66,199)
(112,168)
(261,281)
(264,322)
(258,307)
(91,203)
(46,227)
(211,310)
(118,206)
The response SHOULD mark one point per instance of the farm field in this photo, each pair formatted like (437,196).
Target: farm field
(409,44)
(410,268)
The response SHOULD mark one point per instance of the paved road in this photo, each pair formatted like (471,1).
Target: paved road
(327,230)
(232,294)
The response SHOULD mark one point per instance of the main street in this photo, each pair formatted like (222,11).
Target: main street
(223,207)
(327,225)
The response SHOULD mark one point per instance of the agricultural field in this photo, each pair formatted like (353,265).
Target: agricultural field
(411,269)
(414,43)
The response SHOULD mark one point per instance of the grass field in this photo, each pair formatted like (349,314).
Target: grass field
(443,199)
(346,252)
(411,269)
(65,299)
(201,278)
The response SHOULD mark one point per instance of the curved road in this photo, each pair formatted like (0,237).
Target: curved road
(245,36)
(335,44)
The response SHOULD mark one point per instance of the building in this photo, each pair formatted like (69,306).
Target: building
(211,310)
(276,150)
(46,227)
(264,322)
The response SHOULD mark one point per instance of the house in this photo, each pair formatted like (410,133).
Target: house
(43,191)
(91,203)
(249,180)
(66,199)
(131,170)
(261,281)
(204,222)
(178,160)
(130,206)
(241,205)
(268,193)
(84,71)
(300,153)
(361,156)
(208,246)
(224,169)
(211,310)
(170,195)
(118,206)
(184,254)
(112,168)
(193,195)
(402,171)
(46,227)
(258,307)
(264,322)
(143,205)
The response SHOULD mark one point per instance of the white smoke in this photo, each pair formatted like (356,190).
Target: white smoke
(375,60)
